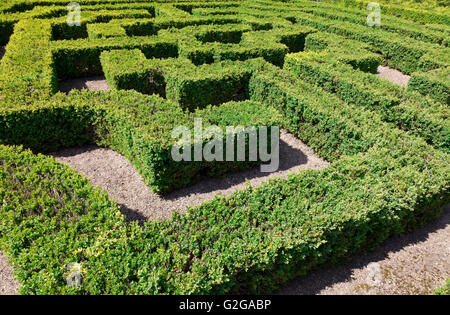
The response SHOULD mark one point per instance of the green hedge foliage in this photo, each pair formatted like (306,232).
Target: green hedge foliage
(26,70)
(395,25)
(331,127)
(105,30)
(178,79)
(78,58)
(409,111)
(213,50)
(345,50)
(435,83)
(136,126)
(411,10)
(408,56)
(274,232)
(388,147)
(444,290)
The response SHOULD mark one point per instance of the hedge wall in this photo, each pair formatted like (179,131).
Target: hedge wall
(435,83)
(274,232)
(407,56)
(344,50)
(409,111)
(389,170)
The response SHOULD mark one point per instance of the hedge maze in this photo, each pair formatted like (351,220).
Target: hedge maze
(303,65)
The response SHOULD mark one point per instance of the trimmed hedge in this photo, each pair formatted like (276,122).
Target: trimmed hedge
(49,212)
(409,111)
(105,30)
(136,126)
(26,71)
(402,27)
(277,231)
(405,11)
(129,69)
(179,80)
(435,83)
(78,58)
(331,127)
(382,181)
(345,50)
(407,56)
(142,133)
(198,52)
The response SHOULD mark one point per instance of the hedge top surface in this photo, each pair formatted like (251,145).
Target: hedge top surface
(301,65)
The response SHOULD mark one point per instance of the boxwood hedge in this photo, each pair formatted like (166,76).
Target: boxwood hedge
(388,147)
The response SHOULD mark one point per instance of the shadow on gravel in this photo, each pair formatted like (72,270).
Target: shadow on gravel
(132,215)
(92,84)
(289,158)
(70,152)
(113,173)
(321,279)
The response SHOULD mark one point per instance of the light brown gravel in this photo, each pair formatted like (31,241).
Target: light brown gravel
(93,84)
(414,263)
(114,173)
(393,75)
(8,285)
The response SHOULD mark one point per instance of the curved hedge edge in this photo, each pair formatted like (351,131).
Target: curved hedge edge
(251,241)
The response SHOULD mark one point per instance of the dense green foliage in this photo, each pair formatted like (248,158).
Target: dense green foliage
(435,83)
(229,63)
(344,50)
(427,11)
(178,79)
(409,111)
(444,290)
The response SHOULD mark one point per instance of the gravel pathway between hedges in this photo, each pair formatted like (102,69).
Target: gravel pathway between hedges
(8,285)
(92,84)
(413,263)
(393,75)
(114,173)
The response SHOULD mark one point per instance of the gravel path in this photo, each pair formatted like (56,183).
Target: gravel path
(393,75)
(8,285)
(92,84)
(414,263)
(114,173)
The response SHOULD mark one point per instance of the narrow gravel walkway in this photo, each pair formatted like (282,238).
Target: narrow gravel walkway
(393,75)
(8,285)
(414,263)
(93,84)
(114,173)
